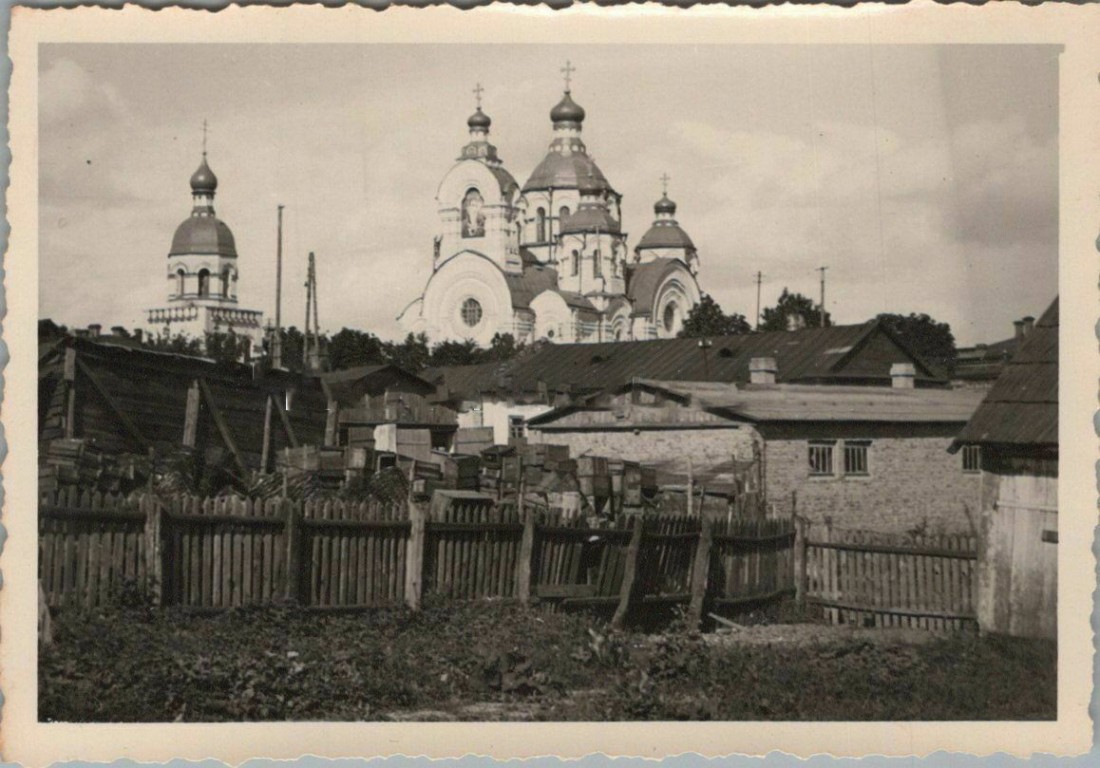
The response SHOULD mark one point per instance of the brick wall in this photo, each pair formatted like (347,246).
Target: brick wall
(911,481)
(654,446)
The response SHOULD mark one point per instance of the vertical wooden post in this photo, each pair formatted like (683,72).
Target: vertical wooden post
(801,577)
(154,548)
(191,415)
(526,552)
(700,572)
(70,405)
(630,574)
(690,488)
(265,451)
(291,514)
(331,421)
(414,556)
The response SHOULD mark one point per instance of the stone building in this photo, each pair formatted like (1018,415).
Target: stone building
(202,272)
(871,458)
(549,259)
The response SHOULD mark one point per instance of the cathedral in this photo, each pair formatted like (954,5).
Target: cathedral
(202,275)
(549,260)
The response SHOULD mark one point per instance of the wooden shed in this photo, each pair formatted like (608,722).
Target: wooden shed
(1014,436)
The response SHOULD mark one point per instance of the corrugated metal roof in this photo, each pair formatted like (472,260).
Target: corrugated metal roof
(1022,406)
(808,355)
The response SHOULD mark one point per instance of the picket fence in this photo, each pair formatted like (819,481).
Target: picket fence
(227,552)
(885,580)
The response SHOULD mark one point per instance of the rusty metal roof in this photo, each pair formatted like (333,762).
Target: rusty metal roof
(203,234)
(665,235)
(1021,409)
(814,355)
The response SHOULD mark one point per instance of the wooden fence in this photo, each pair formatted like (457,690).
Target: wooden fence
(226,552)
(880,580)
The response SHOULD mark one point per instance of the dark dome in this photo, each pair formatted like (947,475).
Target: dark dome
(204,235)
(664,205)
(567,111)
(479,120)
(203,180)
(558,171)
(665,236)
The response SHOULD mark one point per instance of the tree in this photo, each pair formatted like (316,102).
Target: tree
(791,305)
(504,347)
(412,354)
(349,348)
(707,319)
(457,353)
(929,339)
(226,347)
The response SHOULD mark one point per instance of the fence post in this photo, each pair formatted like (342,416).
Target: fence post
(154,549)
(414,557)
(291,515)
(526,553)
(630,573)
(700,572)
(801,580)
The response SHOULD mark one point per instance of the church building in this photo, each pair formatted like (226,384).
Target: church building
(549,260)
(202,275)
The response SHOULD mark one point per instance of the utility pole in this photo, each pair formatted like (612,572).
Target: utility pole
(759,279)
(311,351)
(277,342)
(822,318)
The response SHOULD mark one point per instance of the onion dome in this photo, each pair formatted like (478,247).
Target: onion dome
(479,121)
(203,235)
(567,111)
(203,181)
(665,206)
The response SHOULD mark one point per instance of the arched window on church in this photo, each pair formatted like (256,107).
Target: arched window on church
(540,225)
(204,282)
(179,281)
(575,262)
(473,217)
(227,276)
(597,263)
(563,214)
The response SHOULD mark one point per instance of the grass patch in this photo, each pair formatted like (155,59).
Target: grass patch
(453,659)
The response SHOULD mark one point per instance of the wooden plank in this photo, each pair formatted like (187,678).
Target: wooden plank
(265,448)
(414,558)
(700,573)
(222,426)
(120,414)
(292,534)
(191,415)
(630,575)
(285,419)
(565,590)
(70,392)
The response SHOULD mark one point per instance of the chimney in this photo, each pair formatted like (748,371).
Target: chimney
(94,329)
(1029,324)
(1019,329)
(762,370)
(902,375)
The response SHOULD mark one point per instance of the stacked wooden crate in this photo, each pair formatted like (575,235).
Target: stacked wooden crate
(78,462)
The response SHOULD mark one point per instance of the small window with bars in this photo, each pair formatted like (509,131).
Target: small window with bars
(821,459)
(972,458)
(855,457)
(517,426)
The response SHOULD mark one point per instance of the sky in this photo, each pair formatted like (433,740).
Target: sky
(924,177)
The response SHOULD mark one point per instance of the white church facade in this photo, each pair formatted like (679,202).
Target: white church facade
(202,275)
(549,260)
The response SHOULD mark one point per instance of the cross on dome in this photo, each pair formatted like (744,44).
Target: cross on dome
(665,178)
(568,71)
(478,90)
(205,128)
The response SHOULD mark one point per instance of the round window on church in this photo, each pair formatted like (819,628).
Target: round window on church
(471,312)
(670,316)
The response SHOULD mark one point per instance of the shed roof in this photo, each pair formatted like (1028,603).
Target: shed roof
(1021,408)
(348,386)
